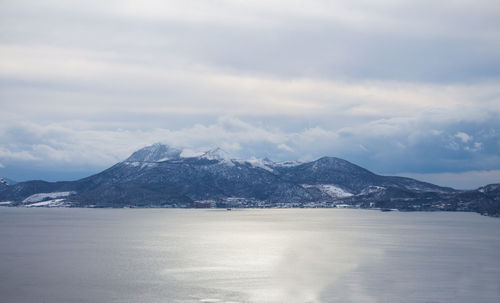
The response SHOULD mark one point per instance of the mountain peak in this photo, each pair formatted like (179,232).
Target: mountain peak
(332,162)
(331,159)
(155,153)
(216,154)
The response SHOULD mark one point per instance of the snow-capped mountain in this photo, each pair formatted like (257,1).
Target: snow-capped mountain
(155,153)
(260,163)
(159,176)
(216,154)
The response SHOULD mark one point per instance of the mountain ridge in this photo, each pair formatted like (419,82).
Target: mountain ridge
(160,176)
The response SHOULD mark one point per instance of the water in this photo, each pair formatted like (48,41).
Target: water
(301,255)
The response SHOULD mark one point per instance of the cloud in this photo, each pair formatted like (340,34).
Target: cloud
(393,86)
(385,146)
(462,180)
(463,136)
(285,147)
(20,155)
(332,39)
(112,93)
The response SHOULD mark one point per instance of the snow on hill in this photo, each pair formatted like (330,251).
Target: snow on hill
(288,163)
(489,188)
(330,189)
(372,189)
(49,203)
(218,154)
(260,163)
(42,196)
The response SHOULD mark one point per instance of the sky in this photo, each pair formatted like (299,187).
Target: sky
(407,88)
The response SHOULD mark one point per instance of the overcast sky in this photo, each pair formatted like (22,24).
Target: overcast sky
(398,87)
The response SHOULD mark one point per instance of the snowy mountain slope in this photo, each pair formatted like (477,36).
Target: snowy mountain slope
(43,196)
(155,153)
(331,190)
(260,163)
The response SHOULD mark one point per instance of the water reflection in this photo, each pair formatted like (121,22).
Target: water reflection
(80,255)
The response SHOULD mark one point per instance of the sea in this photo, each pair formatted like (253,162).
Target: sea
(247,255)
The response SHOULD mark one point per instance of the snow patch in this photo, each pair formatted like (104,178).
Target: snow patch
(260,163)
(148,165)
(218,154)
(49,203)
(42,196)
(142,164)
(288,163)
(372,189)
(330,189)
(163,159)
(6,203)
(489,188)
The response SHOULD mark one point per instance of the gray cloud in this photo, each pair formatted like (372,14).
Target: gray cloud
(411,41)
(398,87)
(386,146)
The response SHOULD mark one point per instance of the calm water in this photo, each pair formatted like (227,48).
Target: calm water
(304,255)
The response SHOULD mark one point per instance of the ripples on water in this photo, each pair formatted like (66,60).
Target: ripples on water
(301,255)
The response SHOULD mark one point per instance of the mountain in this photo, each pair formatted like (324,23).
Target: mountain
(7,181)
(159,176)
(350,177)
(484,200)
(155,153)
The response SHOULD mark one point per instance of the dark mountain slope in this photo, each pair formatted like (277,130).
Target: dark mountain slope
(353,178)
